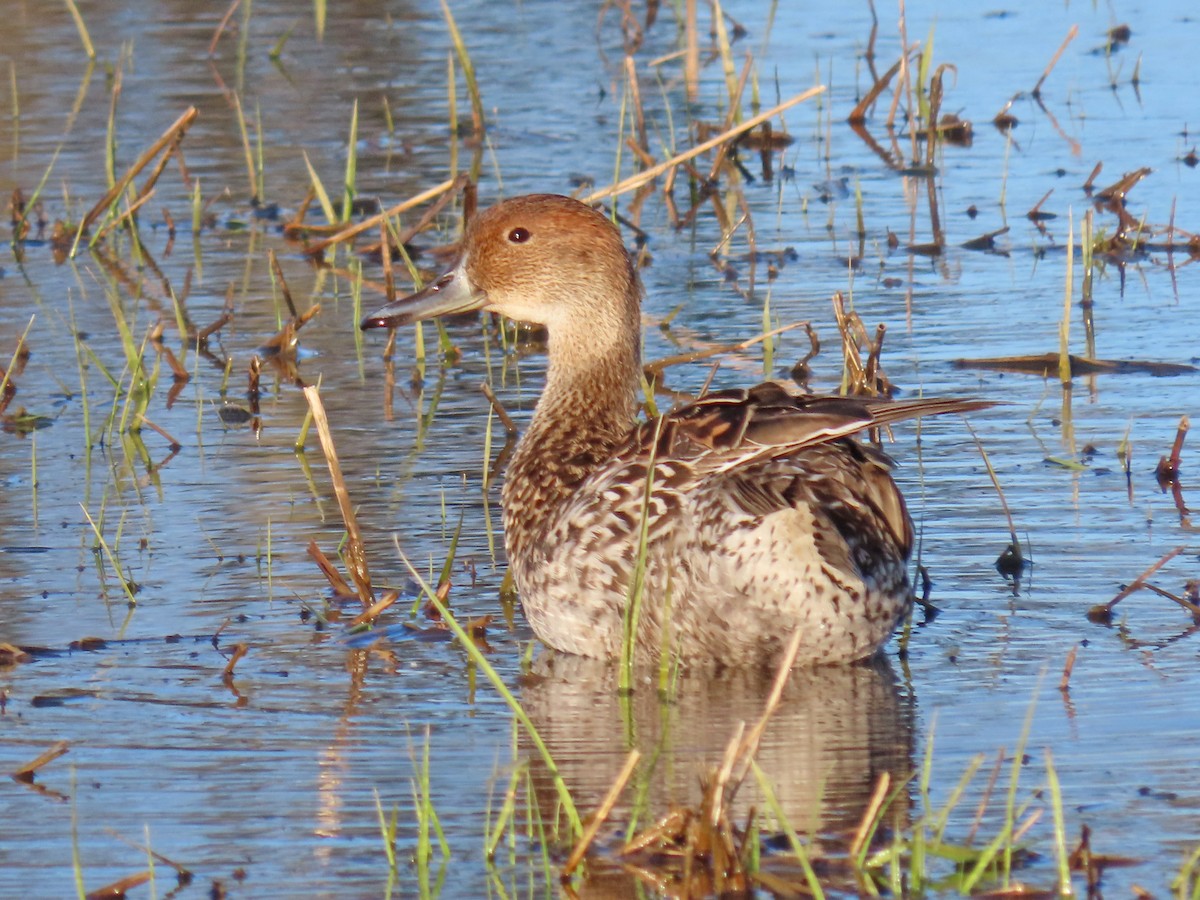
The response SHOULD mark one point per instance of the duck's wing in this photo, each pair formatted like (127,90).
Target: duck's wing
(725,430)
(739,455)
(763,449)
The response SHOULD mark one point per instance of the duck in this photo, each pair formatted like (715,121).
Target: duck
(712,532)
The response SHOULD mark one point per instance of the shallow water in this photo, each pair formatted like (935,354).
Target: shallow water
(269,785)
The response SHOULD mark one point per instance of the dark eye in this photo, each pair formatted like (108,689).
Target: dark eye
(518,235)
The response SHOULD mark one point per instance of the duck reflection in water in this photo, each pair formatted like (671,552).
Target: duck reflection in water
(836,730)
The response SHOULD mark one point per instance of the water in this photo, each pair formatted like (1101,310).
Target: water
(269,784)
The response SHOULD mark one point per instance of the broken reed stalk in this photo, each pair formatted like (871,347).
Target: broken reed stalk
(691,62)
(748,746)
(721,34)
(26,772)
(127,215)
(446,187)
(283,285)
(1103,612)
(212,45)
(510,426)
(340,586)
(1012,530)
(6,372)
(858,115)
(1168,466)
(179,868)
(356,557)
(386,233)
(1064,683)
(1191,608)
(169,139)
(656,367)
(868,824)
(639,114)
(240,649)
(606,806)
(121,886)
(1037,88)
(641,178)
(368,616)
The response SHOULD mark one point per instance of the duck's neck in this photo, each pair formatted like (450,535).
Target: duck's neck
(585,412)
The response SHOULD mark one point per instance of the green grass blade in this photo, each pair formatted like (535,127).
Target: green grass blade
(477,657)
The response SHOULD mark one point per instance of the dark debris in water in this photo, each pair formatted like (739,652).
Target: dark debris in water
(232,414)
(1046,365)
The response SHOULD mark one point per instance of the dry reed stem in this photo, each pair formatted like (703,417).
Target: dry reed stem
(283,285)
(1012,529)
(1139,582)
(636,181)
(26,772)
(120,887)
(505,419)
(1037,88)
(749,744)
(356,559)
(385,257)
(340,586)
(143,848)
(125,216)
(172,135)
(369,615)
(987,796)
(645,158)
(606,806)
(715,792)
(1172,461)
(735,105)
(1064,683)
(216,38)
(1191,608)
(1023,829)
(858,115)
(691,64)
(868,817)
(240,649)
(152,178)
(658,366)
(639,115)
(446,187)
(160,431)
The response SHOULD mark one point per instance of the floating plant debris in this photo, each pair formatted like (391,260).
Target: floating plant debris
(1047,365)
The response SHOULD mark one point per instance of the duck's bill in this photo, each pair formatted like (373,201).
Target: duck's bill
(451,294)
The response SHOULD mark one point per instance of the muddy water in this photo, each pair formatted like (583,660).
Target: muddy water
(268,784)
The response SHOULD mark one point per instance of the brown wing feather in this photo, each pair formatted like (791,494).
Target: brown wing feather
(737,427)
